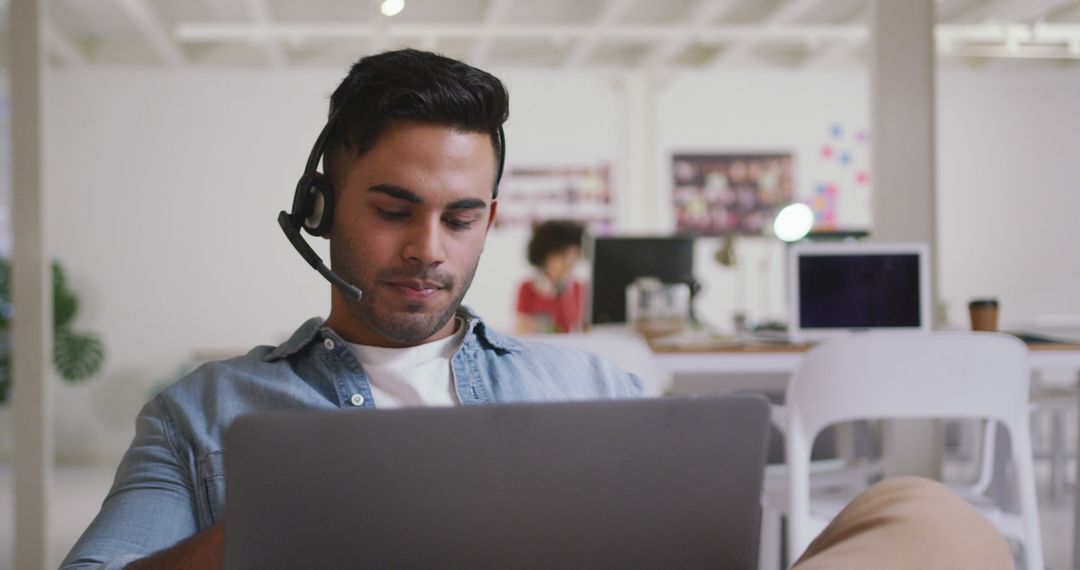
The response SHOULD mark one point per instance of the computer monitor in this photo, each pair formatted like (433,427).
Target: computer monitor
(618,261)
(838,288)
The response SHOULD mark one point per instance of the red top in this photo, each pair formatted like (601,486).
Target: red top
(555,311)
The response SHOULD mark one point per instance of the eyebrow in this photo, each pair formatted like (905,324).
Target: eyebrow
(467,204)
(411,197)
(397,192)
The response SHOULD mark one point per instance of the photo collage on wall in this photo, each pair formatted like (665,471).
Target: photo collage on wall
(717,194)
(531,195)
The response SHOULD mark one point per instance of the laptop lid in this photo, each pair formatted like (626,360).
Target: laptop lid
(839,288)
(667,483)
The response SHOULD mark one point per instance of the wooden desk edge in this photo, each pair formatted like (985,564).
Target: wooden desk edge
(732,349)
(798,348)
(1052,346)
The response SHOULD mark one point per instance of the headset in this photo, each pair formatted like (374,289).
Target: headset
(313,205)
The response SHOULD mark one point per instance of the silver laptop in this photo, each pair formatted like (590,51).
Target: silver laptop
(839,288)
(666,483)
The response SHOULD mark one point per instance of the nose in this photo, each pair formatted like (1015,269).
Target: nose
(424,243)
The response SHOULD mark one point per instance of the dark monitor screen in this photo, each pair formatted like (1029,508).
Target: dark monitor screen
(618,261)
(859,291)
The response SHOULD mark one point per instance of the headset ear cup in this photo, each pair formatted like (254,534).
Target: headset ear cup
(321,212)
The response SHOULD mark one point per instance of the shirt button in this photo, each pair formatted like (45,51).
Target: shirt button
(328,343)
(357,400)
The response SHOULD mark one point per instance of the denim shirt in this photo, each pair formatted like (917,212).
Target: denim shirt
(171,481)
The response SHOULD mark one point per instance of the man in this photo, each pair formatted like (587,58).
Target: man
(413,158)
(413,152)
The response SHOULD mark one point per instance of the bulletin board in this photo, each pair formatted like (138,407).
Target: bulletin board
(529,195)
(722,193)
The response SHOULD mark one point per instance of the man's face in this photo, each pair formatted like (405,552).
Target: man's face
(409,226)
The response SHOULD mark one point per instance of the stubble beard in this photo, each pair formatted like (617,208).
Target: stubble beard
(410,326)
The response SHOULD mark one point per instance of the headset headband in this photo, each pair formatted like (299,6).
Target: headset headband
(319,148)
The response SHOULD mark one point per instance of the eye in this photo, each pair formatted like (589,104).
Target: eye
(392,214)
(458,224)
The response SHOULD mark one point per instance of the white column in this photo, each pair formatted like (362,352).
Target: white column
(636,174)
(31,289)
(904,200)
(902,166)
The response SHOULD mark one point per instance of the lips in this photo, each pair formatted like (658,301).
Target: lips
(416,289)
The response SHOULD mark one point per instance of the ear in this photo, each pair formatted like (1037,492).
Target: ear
(491,214)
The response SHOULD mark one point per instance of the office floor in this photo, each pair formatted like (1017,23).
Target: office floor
(79,490)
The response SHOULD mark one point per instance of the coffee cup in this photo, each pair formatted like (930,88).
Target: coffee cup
(984,314)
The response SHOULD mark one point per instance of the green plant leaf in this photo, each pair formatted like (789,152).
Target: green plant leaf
(5,293)
(65,303)
(77,356)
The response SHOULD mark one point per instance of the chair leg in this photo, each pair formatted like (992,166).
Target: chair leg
(1029,506)
(1057,453)
(769,543)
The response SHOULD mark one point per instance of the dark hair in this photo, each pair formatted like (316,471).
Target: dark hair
(553,237)
(417,86)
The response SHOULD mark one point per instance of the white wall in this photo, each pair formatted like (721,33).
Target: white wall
(162,193)
(163,188)
(1009,192)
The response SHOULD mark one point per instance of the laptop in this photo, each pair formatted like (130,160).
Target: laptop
(840,288)
(664,483)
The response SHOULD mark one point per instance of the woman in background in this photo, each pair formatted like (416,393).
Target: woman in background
(552,301)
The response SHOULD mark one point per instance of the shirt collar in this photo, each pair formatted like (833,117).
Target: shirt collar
(311,329)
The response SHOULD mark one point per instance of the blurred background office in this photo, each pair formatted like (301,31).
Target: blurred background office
(173,132)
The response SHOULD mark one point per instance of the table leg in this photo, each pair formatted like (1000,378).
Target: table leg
(1057,453)
(1076,502)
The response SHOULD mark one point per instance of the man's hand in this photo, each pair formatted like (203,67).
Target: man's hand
(202,552)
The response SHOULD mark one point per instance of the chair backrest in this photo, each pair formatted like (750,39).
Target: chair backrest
(629,352)
(910,375)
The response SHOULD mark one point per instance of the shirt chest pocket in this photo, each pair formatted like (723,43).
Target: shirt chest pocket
(211,486)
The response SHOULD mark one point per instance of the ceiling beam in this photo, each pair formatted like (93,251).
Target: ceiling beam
(217,32)
(841,51)
(152,29)
(611,12)
(260,14)
(947,34)
(206,32)
(1011,11)
(701,15)
(948,10)
(60,46)
(496,13)
(785,14)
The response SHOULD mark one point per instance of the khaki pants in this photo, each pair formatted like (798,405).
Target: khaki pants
(907,523)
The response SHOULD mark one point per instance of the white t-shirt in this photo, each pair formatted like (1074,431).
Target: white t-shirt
(411,377)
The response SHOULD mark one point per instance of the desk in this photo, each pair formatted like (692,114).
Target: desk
(781,359)
(730,359)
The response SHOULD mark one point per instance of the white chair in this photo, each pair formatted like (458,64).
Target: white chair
(1054,400)
(894,376)
(624,349)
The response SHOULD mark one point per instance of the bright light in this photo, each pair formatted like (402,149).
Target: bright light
(390,8)
(793,222)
